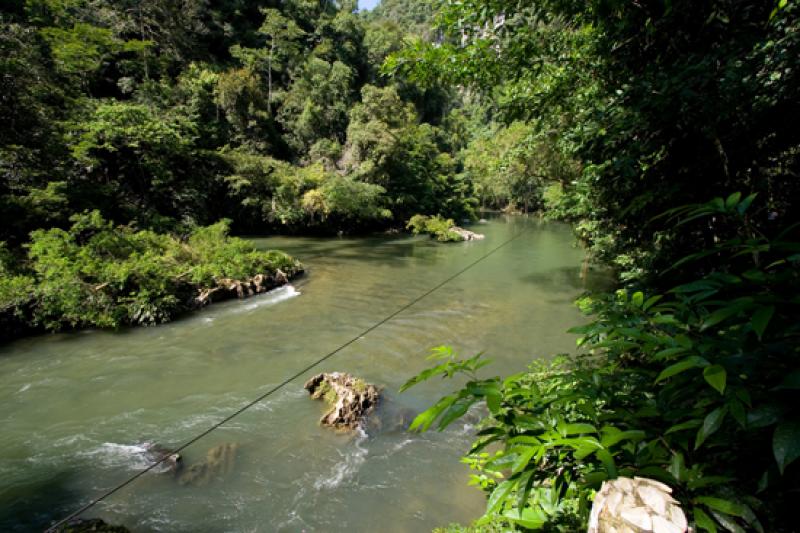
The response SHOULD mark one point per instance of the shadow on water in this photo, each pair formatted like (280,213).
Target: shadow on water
(572,277)
(34,506)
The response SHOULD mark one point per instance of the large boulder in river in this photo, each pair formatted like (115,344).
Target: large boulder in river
(351,399)
(637,505)
(218,463)
(467,235)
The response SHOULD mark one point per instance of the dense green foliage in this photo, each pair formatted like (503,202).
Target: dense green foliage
(436,226)
(96,274)
(693,387)
(610,115)
(271,114)
(631,109)
(172,116)
(278,116)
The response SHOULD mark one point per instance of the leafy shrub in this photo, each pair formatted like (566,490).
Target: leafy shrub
(435,226)
(96,274)
(694,387)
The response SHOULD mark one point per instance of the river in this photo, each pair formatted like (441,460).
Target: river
(77,409)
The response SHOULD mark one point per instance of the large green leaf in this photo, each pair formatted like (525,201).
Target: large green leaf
(786,444)
(716,376)
(529,518)
(761,319)
(703,521)
(499,496)
(687,364)
(723,506)
(711,424)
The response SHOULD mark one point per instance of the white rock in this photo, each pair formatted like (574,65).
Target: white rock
(662,525)
(638,517)
(636,505)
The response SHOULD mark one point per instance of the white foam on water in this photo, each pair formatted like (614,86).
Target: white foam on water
(348,467)
(111,454)
(275,296)
(24,388)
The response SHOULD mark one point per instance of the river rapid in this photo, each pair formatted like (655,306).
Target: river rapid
(78,410)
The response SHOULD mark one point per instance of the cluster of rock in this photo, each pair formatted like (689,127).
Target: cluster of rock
(227,289)
(351,399)
(637,505)
(466,235)
(219,462)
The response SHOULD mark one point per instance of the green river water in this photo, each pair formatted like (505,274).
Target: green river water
(78,409)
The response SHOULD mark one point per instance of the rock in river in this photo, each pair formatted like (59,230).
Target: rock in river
(350,399)
(171,463)
(467,235)
(85,525)
(219,462)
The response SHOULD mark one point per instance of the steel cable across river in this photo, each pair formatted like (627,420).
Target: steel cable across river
(80,411)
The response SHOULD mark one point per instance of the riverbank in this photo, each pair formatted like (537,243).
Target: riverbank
(97,275)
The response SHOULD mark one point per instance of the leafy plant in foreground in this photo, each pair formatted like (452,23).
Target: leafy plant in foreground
(695,387)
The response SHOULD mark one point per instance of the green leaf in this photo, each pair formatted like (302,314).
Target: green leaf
(454,412)
(703,521)
(764,416)
(608,462)
(611,438)
(652,301)
(575,429)
(761,319)
(687,364)
(638,299)
(424,420)
(528,518)
(716,376)
(722,314)
(499,496)
(745,204)
(524,485)
(523,459)
(710,425)
(786,444)
(690,424)
(733,200)
(494,400)
(723,506)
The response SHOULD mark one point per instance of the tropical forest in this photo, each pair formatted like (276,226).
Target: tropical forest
(449,266)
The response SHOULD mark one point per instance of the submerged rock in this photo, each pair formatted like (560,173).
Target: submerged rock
(637,505)
(219,462)
(350,399)
(390,418)
(83,525)
(172,462)
(467,235)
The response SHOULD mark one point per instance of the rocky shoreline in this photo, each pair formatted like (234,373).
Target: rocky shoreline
(16,322)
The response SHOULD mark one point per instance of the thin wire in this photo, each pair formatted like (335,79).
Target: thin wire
(54,528)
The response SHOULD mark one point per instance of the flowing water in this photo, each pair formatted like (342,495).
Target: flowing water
(78,410)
